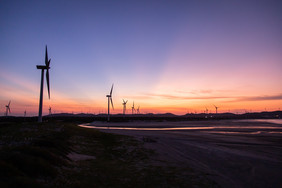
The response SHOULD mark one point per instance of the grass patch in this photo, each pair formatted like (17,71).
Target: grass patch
(37,155)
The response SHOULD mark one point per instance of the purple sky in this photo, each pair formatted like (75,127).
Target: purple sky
(174,56)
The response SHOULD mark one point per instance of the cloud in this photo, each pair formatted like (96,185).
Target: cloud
(204,91)
(259,98)
(195,92)
(210,97)
(177,97)
(189,98)
(16,81)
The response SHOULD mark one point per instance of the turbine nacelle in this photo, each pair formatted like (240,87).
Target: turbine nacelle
(124,102)
(42,67)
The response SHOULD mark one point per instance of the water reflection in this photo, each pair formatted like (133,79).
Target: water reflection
(232,132)
(276,121)
(147,129)
(187,128)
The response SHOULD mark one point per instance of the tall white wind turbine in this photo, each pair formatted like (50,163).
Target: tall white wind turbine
(216,107)
(133,109)
(138,111)
(43,68)
(50,110)
(124,106)
(8,109)
(110,100)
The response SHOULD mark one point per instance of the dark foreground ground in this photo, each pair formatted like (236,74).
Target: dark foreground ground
(235,154)
(61,154)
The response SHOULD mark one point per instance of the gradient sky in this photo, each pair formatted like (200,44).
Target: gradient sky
(167,56)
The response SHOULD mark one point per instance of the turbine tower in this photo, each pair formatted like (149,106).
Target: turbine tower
(43,67)
(110,100)
(124,106)
(216,107)
(25,113)
(8,110)
(133,109)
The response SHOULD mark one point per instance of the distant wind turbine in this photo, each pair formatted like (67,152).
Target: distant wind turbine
(133,109)
(24,113)
(50,110)
(43,67)
(216,107)
(138,112)
(124,106)
(207,110)
(8,110)
(110,100)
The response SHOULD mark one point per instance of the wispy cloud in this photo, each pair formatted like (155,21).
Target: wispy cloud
(195,92)
(258,98)
(188,97)
(16,81)
(176,97)
(209,97)
(203,91)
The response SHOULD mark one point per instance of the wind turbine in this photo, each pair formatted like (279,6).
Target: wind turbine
(24,113)
(124,106)
(110,100)
(138,112)
(133,109)
(207,110)
(8,110)
(216,107)
(50,110)
(43,67)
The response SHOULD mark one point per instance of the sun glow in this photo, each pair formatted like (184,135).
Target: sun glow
(174,59)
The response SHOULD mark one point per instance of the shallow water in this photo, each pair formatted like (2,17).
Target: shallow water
(210,129)
(242,132)
(276,121)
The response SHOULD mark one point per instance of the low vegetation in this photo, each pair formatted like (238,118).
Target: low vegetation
(61,154)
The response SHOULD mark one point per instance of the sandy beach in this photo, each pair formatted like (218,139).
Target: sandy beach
(233,153)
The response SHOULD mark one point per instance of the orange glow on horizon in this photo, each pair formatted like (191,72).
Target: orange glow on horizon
(68,106)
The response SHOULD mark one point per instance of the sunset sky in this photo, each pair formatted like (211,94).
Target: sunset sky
(166,56)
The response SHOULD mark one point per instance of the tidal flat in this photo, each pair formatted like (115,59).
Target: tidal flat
(231,153)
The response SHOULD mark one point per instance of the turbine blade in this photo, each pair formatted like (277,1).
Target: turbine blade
(48,64)
(9,103)
(123,101)
(112,103)
(9,109)
(48,83)
(46,56)
(111,90)
(126,101)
